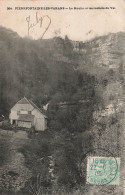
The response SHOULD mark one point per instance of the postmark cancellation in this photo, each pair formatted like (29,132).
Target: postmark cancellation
(103,170)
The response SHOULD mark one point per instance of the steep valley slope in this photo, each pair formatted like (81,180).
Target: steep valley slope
(60,70)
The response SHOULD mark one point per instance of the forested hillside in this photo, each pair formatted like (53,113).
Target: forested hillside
(84,84)
(42,70)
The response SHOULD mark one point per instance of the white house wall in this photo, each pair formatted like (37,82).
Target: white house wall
(26,107)
(39,121)
(23,112)
(37,113)
(40,124)
(13,116)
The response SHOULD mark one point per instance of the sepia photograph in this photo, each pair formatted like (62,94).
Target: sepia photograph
(62,97)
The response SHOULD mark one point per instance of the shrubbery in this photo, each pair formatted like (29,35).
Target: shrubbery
(4,151)
(6,125)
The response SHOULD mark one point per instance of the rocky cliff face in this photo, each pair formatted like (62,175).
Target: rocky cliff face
(104,58)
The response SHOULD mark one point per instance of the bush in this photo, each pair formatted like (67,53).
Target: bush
(6,125)
(4,151)
(31,132)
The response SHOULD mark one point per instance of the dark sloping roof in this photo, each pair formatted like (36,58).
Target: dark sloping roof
(34,105)
(26,117)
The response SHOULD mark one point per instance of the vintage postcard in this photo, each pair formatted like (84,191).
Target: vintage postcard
(62,97)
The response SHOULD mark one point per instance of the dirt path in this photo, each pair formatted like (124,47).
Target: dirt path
(14,174)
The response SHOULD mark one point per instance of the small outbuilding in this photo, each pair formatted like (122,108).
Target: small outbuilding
(26,114)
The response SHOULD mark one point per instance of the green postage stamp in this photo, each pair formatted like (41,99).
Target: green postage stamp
(103,170)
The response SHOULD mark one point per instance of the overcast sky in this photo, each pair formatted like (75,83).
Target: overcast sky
(77,24)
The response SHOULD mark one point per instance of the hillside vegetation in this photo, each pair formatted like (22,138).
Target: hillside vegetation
(84,84)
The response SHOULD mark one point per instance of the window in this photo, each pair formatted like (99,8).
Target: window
(29,112)
(18,112)
(13,122)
